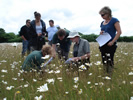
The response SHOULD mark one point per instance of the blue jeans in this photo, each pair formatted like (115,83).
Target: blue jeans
(25,47)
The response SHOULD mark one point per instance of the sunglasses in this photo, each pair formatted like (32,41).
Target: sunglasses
(102,14)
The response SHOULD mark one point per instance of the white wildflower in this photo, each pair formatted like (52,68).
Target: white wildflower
(76,79)
(57,71)
(4,71)
(66,92)
(59,78)
(131,98)
(50,80)
(51,72)
(80,91)
(98,63)
(108,78)
(97,55)
(18,74)
(75,86)
(108,89)
(2,75)
(4,82)
(131,82)
(124,82)
(34,80)
(38,98)
(5,98)
(3,61)
(90,74)
(88,82)
(83,67)
(131,73)
(43,88)
(14,78)
(9,87)
(26,85)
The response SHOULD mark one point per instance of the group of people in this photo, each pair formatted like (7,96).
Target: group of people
(59,41)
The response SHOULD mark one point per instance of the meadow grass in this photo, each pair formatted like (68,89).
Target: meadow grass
(119,87)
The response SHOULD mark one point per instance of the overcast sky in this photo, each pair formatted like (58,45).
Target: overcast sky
(80,15)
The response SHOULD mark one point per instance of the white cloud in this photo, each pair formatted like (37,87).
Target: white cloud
(80,15)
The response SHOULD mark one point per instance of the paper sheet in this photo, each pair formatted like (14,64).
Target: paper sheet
(103,39)
(48,62)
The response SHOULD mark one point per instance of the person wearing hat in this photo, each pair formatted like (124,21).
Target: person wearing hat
(81,48)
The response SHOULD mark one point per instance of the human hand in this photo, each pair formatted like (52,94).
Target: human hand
(110,43)
(101,32)
(54,54)
(46,38)
(76,58)
(39,34)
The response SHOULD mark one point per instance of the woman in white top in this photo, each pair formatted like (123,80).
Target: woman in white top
(37,32)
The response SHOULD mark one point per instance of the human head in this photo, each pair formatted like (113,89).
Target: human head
(61,34)
(74,36)
(28,22)
(46,50)
(106,11)
(51,23)
(37,15)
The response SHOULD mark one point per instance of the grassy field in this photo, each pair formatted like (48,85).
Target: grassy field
(67,83)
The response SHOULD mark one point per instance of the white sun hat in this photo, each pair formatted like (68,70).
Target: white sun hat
(73,34)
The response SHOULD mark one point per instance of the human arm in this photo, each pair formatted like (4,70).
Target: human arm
(86,56)
(23,38)
(54,52)
(118,29)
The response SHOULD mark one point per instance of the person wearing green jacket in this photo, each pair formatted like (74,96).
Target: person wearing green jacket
(34,59)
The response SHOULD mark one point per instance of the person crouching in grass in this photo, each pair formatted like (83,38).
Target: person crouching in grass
(81,49)
(34,59)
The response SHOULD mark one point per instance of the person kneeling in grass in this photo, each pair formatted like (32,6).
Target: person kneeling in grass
(81,49)
(34,59)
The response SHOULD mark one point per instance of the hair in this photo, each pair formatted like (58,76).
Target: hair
(47,50)
(36,14)
(106,10)
(27,20)
(51,21)
(61,32)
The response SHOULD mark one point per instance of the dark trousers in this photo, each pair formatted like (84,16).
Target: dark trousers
(62,53)
(107,53)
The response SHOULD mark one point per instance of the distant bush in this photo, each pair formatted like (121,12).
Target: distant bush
(11,37)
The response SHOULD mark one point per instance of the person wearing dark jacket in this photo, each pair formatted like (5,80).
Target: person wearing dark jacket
(24,33)
(37,33)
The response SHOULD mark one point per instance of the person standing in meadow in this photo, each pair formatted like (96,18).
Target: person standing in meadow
(34,59)
(37,32)
(111,26)
(51,31)
(63,43)
(24,33)
(81,48)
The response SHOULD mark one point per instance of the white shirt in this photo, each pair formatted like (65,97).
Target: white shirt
(51,31)
(39,29)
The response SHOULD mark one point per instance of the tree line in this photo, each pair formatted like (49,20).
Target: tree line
(12,37)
